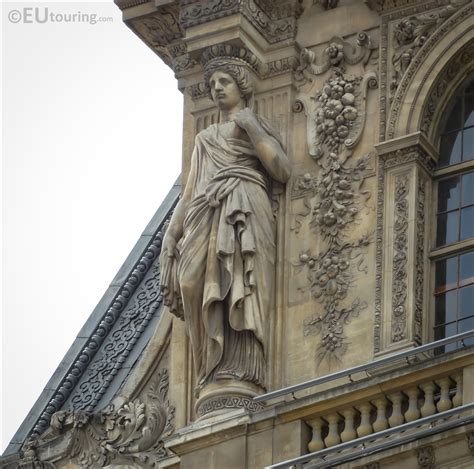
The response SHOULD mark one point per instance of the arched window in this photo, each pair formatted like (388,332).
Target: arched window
(454,243)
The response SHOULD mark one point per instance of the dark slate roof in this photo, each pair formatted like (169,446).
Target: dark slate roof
(112,339)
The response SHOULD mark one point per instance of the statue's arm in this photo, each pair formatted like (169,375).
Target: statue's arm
(175,228)
(268,149)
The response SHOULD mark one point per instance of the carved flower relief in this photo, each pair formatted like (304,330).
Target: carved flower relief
(337,205)
(304,183)
(328,275)
(335,53)
(332,336)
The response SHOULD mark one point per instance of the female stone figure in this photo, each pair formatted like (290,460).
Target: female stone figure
(218,253)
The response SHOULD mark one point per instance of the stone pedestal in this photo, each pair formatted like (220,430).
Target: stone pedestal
(224,395)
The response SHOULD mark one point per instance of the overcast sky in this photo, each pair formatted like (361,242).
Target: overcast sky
(91,145)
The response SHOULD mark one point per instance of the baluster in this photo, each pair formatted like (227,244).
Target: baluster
(457,399)
(412,412)
(333,435)
(365,428)
(381,420)
(349,432)
(444,402)
(397,417)
(316,442)
(428,407)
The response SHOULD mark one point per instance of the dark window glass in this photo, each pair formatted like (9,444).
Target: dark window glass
(466,269)
(454,297)
(451,329)
(467,189)
(468,144)
(467,223)
(448,194)
(450,151)
(446,274)
(446,307)
(448,228)
(470,87)
(439,333)
(469,111)
(467,325)
(466,302)
(455,121)
(457,138)
(455,219)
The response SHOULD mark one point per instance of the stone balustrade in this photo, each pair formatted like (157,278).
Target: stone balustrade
(386,411)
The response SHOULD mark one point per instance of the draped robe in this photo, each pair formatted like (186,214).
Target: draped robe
(222,279)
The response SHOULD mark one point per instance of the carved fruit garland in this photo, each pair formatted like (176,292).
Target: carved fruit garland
(331,272)
(332,201)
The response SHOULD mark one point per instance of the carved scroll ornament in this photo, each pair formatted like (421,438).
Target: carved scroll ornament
(338,53)
(132,433)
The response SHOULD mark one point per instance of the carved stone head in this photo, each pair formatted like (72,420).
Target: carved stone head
(426,457)
(405,31)
(238,71)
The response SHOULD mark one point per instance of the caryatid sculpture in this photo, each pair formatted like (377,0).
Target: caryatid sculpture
(218,253)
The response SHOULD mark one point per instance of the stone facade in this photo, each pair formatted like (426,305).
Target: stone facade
(356,91)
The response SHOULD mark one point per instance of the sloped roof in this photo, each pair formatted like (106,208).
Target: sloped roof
(112,339)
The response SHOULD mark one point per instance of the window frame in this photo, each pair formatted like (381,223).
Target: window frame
(439,253)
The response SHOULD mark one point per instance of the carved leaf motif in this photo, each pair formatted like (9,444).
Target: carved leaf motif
(420,259)
(400,244)
(134,431)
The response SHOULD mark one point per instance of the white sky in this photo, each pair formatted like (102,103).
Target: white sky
(91,145)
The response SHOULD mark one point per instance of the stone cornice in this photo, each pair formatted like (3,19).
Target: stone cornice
(418,139)
(124,4)
(172,29)
(382,6)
